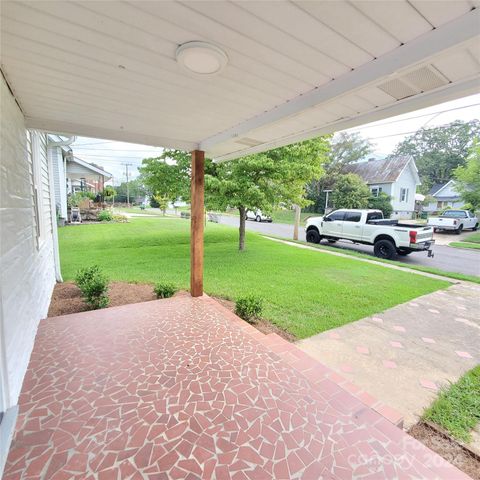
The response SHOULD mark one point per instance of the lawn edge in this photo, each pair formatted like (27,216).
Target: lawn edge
(365,258)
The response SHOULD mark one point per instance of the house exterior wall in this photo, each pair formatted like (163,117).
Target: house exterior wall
(27,275)
(404,208)
(386,187)
(446,197)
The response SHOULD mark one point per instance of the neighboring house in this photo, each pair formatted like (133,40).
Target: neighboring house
(395,176)
(29,251)
(445,196)
(72,174)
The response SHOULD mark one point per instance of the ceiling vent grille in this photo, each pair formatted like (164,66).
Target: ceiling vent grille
(426,78)
(398,89)
(249,142)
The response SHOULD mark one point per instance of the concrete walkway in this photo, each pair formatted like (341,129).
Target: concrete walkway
(405,354)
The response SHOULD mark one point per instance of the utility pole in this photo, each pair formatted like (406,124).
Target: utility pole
(326,200)
(128,191)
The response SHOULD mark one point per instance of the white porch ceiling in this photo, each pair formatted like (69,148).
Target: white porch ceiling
(296,69)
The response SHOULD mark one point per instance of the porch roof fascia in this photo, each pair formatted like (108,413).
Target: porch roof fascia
(447,36)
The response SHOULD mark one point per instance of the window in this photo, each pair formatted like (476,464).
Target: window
(337,215)
(376,191)
(352,216)
(439,205)
(454,214)
(404,194)
(374,216)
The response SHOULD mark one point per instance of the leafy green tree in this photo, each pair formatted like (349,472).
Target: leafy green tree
(345,148)
(350,192)
(167,176)
(136,190)
(467,178)
(440,150)
(382,202)
(263,181)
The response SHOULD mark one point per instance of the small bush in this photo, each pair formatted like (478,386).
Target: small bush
(105,216)
(119,218)
(93,285)
(164,290)
(249,308)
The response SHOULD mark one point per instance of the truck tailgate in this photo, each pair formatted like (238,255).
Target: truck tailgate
(441,222)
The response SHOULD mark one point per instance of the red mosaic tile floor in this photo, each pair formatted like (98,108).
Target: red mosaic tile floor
(182,389)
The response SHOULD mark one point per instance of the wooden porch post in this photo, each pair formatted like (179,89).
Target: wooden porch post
(196,223)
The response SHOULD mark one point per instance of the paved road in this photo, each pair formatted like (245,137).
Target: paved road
(446,258)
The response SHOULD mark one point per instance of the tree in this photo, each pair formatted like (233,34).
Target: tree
(135,187)
(440,150)
(345,148)
(263,181)
(467,177)
(382,202)
(350,192)
(167,177)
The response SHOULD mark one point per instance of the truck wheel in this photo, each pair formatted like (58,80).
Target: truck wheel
(313,236)
(459,230)
(385,249)
(258,218)
(475,228)
(331,240)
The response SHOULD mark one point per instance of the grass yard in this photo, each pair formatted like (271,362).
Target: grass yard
(457,408)
(305,293)
(472,241)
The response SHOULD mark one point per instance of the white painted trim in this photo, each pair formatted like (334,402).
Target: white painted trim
(446,36)
(52,126)
(422,100)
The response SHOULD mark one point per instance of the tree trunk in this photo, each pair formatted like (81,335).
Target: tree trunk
(296,222)
(241,230)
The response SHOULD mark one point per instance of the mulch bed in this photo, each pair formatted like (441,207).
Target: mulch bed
(264,326)
(448,448)
(67,299)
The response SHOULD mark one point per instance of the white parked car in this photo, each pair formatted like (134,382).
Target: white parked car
(388,237)
(258,216)
(454,220)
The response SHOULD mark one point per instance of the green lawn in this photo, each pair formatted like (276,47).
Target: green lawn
(464,244)
(471,241)
(288,216)
(305,293)
(457,408)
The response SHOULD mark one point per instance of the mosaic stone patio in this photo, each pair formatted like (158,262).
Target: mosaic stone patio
(183,389)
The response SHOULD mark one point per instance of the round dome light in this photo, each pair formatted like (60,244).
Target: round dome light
(201,58)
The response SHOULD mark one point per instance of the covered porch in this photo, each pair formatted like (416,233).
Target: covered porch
(182,388)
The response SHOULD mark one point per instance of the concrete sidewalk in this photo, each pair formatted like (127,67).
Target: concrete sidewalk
(405,354)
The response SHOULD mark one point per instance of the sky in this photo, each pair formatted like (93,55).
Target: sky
(384,135)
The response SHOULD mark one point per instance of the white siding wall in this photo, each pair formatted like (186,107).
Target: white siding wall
(59,180)
(27,273)
(405,180)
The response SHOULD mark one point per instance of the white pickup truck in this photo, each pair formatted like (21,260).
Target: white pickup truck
(455,220)
(388,237)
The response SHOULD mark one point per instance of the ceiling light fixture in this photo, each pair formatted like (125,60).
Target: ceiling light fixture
(201,58)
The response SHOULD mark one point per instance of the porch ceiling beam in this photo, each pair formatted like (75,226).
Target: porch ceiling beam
(449,35)
(53,126)
(424,100)
(197,223)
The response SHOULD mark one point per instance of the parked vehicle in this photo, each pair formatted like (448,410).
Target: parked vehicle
(454,220)
(388,237)
(258,216)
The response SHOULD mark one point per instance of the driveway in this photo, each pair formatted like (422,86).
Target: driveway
(446,258)
(404,355)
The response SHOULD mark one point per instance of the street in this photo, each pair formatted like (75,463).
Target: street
(446,258)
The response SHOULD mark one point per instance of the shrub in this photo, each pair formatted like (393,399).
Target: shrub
(249,308)
(382,202)
(105,216)
(164,290)
(93,285)
(119,218)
